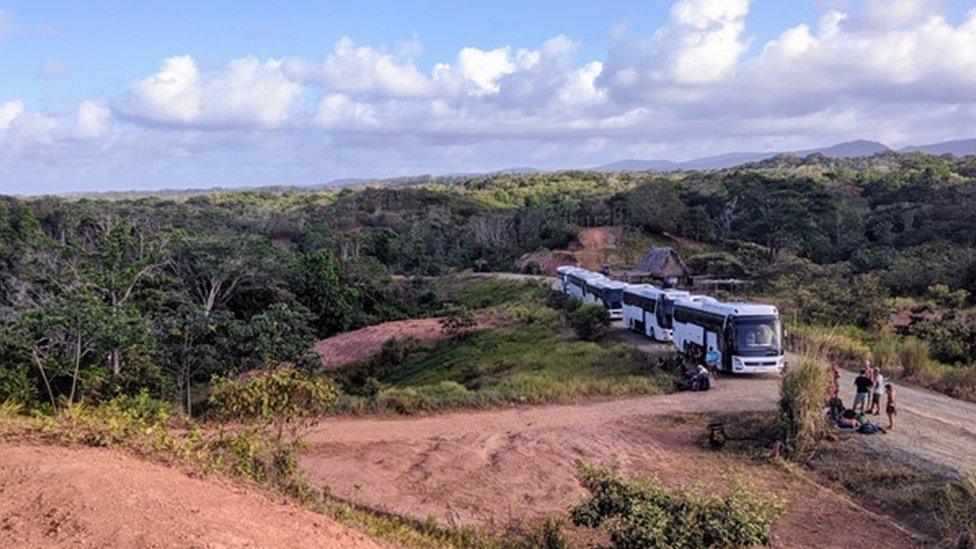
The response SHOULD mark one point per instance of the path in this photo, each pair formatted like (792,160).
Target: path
(931,429)
(493,467)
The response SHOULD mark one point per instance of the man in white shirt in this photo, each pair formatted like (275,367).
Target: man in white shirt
(877,391)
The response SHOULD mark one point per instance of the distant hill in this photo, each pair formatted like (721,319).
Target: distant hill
(961,147)
(728,160)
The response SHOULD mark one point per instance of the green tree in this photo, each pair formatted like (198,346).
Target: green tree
(318,285)
(281,333)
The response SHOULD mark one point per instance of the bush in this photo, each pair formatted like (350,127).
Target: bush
(457,321)
(832,343)
(913,355)
(562,302)
(645,513)
(801,403)
(270,397)
(15,384)
(958,383)
(590,321)
(958,517)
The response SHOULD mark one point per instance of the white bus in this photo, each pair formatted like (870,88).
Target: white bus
(606,292)
(576,282)
(562,273)
(748,336)
(649,309)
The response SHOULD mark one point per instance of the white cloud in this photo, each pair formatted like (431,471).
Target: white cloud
(247,92)
(708,38)
(10,111)
(93,120)
(897,70)
(351,68)
(484,68)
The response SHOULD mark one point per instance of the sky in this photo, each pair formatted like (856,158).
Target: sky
(109,95)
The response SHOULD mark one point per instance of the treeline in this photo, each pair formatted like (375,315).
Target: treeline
(100,297)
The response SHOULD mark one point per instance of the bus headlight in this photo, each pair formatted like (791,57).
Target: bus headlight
(736,363)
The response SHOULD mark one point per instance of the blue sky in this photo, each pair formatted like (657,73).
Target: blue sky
(102,95)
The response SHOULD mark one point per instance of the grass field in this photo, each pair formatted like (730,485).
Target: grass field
(532,358)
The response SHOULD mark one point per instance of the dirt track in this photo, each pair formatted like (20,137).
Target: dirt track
(52,496)
(491,467)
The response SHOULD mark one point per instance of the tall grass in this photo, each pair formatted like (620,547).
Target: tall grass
(957,505)
(802,399)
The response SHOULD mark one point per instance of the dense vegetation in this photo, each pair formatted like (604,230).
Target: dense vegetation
(100,298)
(646,513)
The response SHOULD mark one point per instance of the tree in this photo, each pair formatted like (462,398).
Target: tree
(216,268)
(316,281)
(655,206)
(194,342)
(59,338)
(280,334)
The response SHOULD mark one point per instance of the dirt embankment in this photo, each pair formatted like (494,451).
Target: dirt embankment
(363,343)
(52,496)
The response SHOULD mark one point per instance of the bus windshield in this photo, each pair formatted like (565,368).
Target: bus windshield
(757,336)
(614,298)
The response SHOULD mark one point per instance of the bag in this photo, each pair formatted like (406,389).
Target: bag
(868,429)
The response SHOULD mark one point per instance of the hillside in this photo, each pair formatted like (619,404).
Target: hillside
(53,496)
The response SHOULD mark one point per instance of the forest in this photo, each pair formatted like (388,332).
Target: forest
(108,296)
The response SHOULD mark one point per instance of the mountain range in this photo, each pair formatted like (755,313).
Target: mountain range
(859,147)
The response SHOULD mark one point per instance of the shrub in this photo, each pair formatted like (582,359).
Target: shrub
(401,401)
(832,343)
(281,404)
(914,358)
(562,302)
(457,321)
(802,398)
(958,383)
(645,513)
(590,321)
(15,384)
(958,513)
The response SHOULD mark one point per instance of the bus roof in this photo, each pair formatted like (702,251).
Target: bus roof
(738,308)
(607,283)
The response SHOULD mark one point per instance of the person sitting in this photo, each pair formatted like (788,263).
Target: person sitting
(848,420)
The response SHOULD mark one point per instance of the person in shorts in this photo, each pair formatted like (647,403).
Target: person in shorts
(877,391)
(891,408)
(862,384)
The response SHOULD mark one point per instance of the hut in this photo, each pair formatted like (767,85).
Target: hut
(662,265)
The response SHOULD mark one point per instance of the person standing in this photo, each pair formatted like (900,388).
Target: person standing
(862,383)
(877,391)
(890,407)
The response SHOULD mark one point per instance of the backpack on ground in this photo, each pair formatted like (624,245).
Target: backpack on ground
(868,429)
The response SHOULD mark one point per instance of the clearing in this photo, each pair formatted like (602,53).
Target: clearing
(490,467)
(365,342)
(55,496)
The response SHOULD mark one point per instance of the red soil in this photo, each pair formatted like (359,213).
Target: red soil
(52,496)
(496,467)
(363,343)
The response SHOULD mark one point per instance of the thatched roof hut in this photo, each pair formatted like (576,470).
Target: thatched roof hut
(661,264)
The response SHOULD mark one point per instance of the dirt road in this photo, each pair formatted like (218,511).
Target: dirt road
(492,467)
(931,429)
(53,496)
(489,467)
